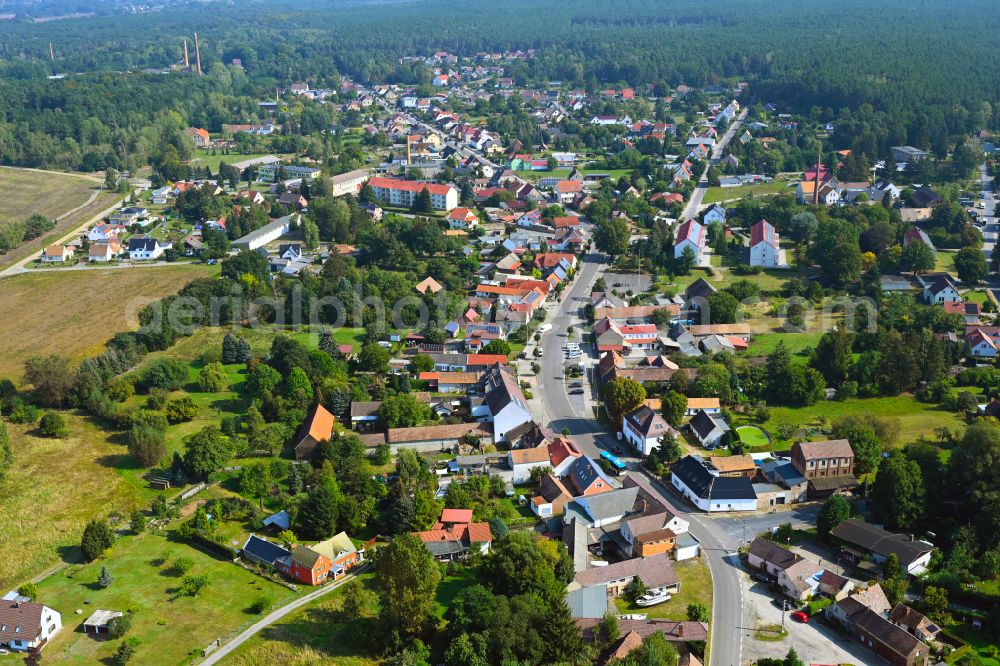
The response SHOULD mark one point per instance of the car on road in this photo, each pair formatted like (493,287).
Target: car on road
(800,616)
(578,391)
(545,328)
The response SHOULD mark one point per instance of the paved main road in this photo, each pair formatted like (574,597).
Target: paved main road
(575,413)
(991,224)
(694,203)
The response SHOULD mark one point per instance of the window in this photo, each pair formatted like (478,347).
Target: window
(17,629)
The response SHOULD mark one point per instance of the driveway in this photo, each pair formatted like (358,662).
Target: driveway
(815,643)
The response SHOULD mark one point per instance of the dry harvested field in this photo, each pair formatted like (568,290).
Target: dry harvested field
(75,312)
(25,192)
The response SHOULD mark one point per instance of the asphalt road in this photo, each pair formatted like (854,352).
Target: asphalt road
(576,414)
(992,225)
(694,203)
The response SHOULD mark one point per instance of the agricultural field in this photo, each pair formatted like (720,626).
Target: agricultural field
(89,306)
(54,487)
(172,628)
(24,192)
(71,199)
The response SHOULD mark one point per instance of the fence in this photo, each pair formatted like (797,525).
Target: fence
(192,491)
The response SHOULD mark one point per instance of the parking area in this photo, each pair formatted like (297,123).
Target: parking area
(627,282)
(816,642)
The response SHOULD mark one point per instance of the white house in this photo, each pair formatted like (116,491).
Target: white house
(25,625)
(942,290)
(716,213)
(765,246)
(505,402)
(696,481)
(710,405)
(522,461)
(145,248)
(57,254)
(641,526)
(691,234)
(462,218)
(981,344)
(643,428)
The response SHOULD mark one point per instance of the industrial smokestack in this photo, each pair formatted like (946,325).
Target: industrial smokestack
(52,54)
(187,64)
(197,53)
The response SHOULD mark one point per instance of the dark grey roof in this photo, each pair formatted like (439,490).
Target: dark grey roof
(703,423)
(880,541)
(700,288)
(582,472)
(611,504)
(502,389)
(441,548)
(144,243)
(647,422)
(263,550)
(694,474)
(772,553)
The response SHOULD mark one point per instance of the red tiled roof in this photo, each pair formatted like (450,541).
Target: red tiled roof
(409,185)
(763,231)
(460,516)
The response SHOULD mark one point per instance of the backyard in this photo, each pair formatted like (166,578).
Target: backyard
(173,628)
(717,194)
(696,588)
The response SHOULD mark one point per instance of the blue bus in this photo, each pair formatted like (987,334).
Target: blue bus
(617,465)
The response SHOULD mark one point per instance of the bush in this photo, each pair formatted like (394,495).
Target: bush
(157,398)
(182,565)
(147,445)
(29,590)
(119,626)
(259,605)
(52,425)
(126,650)
(22,413)
(166,373)
(181,409)
(192,586)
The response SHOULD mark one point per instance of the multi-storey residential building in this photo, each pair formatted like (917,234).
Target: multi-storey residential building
(820,459)
(404,193)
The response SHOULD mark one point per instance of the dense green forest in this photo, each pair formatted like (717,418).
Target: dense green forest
(929,70)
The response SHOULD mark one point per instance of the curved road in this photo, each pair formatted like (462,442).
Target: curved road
(561,410)
(273,617)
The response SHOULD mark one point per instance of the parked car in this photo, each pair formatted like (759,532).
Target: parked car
(800,616)
(761,577)
(576,384)
(578,391)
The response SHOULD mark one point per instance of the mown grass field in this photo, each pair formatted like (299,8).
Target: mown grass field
(74,313)
(203,158)
(317,633)
(916,419)
(696,587)
(54,487)
(717,194)
(172,629)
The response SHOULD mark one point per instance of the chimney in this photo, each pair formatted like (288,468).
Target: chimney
(197,53)
(187,64)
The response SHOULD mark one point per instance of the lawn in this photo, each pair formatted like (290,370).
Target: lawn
(717,194)
(172,629)
(944,260)
(74,313)
(450,587)
(796,343)
(205,158)
(977,641)
(317,633)
(752,436)
(53,489)
(916,419)
(696,587)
